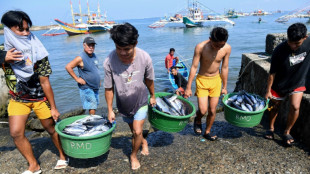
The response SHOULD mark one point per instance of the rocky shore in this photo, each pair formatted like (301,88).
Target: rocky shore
(238,150)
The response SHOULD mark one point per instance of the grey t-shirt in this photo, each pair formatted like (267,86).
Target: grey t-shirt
(128,80)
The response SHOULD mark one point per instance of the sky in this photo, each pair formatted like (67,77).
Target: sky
(43,12)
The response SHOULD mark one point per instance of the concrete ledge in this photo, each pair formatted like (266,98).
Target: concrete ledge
(254,75)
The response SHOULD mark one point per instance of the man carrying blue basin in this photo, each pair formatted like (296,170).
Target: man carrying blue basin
(129,74)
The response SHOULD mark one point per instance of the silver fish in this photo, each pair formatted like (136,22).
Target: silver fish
(239,99)
(244,107)
(87,125)
(249,107)
(173,108)
(162,106)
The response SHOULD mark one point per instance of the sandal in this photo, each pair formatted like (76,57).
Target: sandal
(30,172)
(197,127)
(269,135)
(61,164)
(287,139)
(210,137)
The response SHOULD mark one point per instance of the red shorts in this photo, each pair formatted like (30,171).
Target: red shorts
(277,96)
(181,90)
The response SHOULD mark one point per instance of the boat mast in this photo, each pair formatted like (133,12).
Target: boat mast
(88,12)
(80,11)
(72,13)
(99,17)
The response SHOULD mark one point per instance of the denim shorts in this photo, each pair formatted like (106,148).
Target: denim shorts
(89,98)
(140,115)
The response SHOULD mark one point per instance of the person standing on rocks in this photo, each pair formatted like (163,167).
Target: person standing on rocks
(89,76)
(290,63)
(211,54)
(129,74)
(30,89)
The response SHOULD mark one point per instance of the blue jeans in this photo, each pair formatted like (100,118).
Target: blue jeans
(140,115)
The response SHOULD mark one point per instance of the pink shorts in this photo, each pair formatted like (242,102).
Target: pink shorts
(277,96)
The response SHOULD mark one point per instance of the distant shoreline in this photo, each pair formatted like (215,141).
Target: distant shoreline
(36,28)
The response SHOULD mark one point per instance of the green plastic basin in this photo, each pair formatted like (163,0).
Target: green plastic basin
(242,118)
(83,147)
(166,122)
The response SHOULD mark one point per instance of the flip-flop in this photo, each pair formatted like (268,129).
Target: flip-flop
(287,138)
(136,168)
(61,164)
(197,127)
(269,135)
(210,137)
(145,154)
(30,172)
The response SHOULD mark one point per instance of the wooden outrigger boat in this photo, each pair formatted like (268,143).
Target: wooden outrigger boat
(94,23)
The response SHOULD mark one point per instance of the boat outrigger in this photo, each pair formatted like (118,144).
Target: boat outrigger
(53,31)
(193,16)
(303,12)
(94,23)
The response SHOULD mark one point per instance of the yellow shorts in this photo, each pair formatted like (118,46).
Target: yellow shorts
(41,108)
(208,86)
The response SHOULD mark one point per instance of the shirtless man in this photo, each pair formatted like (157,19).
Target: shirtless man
(210,54)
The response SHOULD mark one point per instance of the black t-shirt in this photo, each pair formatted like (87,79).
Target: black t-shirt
(180,81)
(291,67)
(2,56)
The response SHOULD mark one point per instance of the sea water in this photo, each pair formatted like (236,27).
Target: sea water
(247,36)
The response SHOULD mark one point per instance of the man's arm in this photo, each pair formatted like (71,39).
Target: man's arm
(48,91)
(193,70)
(10,56)
(109,94)
(166,64)
(224,70)
(269,84)
(78,61)
(176,60)
(150,86)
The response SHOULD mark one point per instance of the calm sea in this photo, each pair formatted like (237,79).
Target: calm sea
(247,36)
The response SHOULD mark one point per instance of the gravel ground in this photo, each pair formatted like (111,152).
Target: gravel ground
(238,150)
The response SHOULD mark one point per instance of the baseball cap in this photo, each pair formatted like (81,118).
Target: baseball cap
(89,40)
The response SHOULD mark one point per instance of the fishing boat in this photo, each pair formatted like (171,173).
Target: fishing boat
(231,13)
(193,16)
(183,70)
(260,13)
(95,22)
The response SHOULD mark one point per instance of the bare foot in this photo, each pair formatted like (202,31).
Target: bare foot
(145,148)
(135,164)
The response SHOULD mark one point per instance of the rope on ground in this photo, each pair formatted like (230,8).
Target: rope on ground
(262,57)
